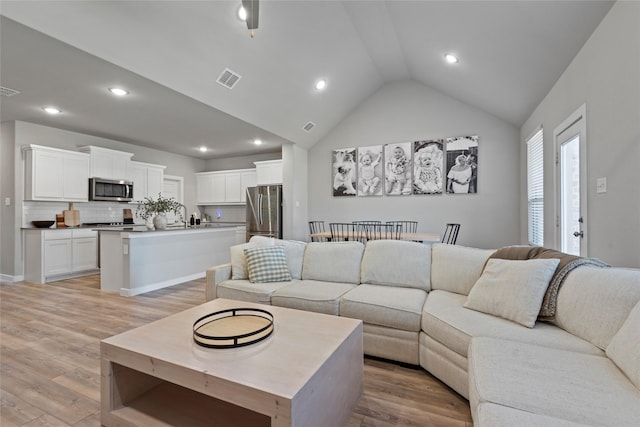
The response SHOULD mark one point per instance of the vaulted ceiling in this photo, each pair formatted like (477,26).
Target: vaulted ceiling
(168,54)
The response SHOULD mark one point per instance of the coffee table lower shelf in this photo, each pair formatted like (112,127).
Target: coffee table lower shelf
(168,404)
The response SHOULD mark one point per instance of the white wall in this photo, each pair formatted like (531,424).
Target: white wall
(606,76)
(409,111)
(240,162)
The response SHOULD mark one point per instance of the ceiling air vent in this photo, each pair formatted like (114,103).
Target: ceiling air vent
(5,91)
(308,126)
(228,78)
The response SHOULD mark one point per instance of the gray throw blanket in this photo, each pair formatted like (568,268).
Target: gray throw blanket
(566,265)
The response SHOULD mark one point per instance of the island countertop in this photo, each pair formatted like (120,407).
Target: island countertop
(169,229)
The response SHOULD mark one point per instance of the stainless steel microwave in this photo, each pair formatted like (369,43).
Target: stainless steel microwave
(110,190)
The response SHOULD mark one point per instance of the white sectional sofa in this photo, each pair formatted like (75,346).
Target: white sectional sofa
(582,368)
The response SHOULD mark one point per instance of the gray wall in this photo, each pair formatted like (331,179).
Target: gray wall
(605,75)
(7,213)
(242,162)
(409,111)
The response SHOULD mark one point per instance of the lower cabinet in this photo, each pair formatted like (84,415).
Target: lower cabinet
(56,254)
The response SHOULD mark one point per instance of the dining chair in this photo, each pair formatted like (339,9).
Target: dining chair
(451,234)
(316,227)
(406,226)
(393,231)
(367,222)
(346,231)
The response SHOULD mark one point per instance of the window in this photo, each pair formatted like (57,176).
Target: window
(535,189)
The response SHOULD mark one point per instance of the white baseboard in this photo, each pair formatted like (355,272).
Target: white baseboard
(125,292)
(6,278)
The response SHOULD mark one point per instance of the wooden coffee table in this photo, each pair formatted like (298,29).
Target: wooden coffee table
(307,373)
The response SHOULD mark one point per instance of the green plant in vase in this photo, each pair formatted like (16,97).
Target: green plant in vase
(157,210)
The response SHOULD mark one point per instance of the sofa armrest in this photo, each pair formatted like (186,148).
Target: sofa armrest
(215,276)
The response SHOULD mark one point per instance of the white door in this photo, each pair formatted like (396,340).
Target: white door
(173,186)
(571,197)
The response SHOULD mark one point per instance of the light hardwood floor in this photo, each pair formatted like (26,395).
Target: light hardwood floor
(50,370)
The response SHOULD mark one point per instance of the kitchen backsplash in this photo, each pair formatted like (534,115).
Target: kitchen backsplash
(89,212)
(234,213)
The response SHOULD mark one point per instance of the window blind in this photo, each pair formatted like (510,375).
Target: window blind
(535,189)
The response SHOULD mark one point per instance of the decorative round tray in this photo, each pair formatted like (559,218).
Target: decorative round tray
(235,327)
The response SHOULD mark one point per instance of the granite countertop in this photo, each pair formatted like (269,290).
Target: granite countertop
(143,228)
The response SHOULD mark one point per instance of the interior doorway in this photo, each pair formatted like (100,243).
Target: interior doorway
(571,186)
(173,186)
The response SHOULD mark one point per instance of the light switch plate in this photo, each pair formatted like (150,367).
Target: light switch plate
(601,185)
(7,201)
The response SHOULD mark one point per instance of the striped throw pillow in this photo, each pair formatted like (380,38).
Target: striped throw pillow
(267,264)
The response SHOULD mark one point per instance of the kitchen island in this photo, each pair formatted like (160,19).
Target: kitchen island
(135,260)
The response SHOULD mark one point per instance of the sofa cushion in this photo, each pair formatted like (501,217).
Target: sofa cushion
(448,322)
(492,415)
(295,255)
(456,268)
(624,348)
(586,297)
(393,307)
(512,289)
(243,290)
(239,261)
(267,264)
(576,387)
(333,262)
(311,295)
(396,263)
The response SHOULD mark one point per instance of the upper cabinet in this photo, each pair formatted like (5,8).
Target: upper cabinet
(147,179)
(52,174)
(224,187)
(106,163)
(269,172)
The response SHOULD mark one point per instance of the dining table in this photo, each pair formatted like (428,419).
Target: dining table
(414,237)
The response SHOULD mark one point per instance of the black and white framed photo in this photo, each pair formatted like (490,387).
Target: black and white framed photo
(462,165)
(397,169)
(344,172)
(428,162)
(370,171)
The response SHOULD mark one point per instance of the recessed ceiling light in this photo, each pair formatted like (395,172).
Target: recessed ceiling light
(451,58)
(203,149)
(118,91)
(242,13)
(321,84)
(52,110)
(257,141)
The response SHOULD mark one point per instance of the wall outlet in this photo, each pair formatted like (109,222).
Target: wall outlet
(125,249)
(601,185)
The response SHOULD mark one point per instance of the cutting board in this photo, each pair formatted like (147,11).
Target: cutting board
(71,216)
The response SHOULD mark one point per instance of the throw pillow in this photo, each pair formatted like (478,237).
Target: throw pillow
(512,289)
(267,264)
(624,348)
(238,260)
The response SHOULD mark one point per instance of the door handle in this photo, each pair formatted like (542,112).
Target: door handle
(578,233)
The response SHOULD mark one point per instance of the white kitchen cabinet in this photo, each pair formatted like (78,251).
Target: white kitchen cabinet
(223,187)
(52,174)
(147,179)
(56,254)
(106,163)
(268,172)
(247,179)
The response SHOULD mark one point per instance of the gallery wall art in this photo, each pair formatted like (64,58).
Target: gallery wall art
(370,171)
(424,167)
(462,165)
(428,160)
(344,172)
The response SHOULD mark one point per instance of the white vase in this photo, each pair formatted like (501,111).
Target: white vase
(160,221)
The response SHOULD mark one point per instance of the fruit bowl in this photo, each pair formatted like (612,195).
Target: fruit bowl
(42,224)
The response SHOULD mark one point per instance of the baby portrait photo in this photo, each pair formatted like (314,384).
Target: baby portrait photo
(428,162)
(344,170)
(462,165)
(370,171)
(397,169)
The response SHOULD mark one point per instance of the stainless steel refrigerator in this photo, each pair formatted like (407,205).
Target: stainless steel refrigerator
(264,211)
